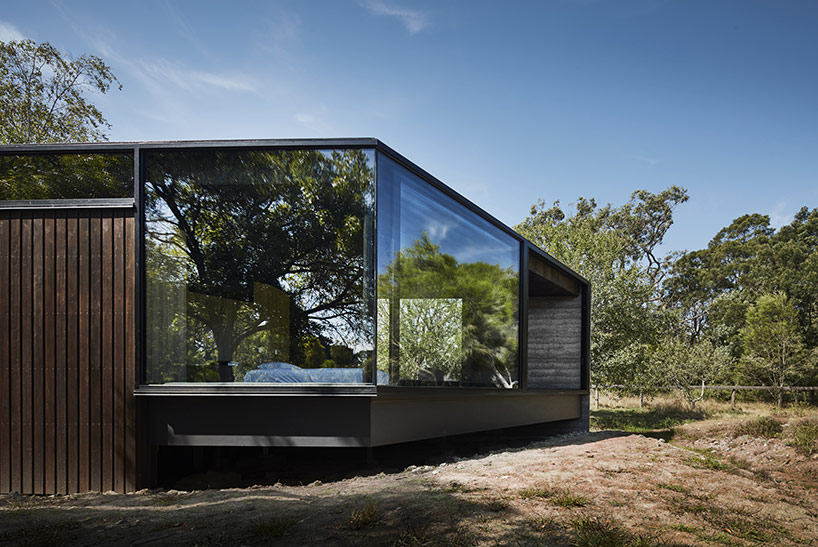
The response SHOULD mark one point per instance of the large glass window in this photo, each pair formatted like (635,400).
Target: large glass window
(66,176)
(259,266)
(448,289)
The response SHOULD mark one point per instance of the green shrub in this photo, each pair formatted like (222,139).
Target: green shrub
(804,436)
(763,427)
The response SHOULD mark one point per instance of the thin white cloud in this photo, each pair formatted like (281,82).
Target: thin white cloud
(780,215)
(228,83)
(158,74)
(315,119)
(161,73)
(438,230)
(647,160)
(9,32)
(413,20)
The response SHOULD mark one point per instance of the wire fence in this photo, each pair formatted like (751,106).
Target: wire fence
(733,390)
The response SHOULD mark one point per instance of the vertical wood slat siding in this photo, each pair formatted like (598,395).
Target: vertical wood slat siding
(15,351)
(26,366)
(60,356)
(129,312)
(49,349)
(83,400)
(72,354)
(5,357)
(95,292)
(67,362)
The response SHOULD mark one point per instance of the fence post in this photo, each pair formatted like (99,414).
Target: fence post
(597,397)
(732,399)
(641,398)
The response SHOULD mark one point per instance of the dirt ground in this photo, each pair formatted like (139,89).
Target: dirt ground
(704,487)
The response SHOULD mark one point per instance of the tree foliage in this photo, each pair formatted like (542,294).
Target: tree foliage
(615,248)
(744,309)
(772,342)
(44,94)
(683,366)
(754,290)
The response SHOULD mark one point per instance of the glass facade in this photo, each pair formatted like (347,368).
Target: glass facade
(288,265)
(448,288)
(259,266)
(66,176)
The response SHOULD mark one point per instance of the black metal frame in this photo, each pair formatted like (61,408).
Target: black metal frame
(138,201)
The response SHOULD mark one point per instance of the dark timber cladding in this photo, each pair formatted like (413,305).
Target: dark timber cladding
(67,411)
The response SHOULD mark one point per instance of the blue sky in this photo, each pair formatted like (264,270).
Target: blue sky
(507,102)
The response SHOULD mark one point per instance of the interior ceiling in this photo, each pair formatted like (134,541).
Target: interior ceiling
(545,280)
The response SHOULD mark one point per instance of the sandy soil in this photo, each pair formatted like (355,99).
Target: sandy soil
(705,487)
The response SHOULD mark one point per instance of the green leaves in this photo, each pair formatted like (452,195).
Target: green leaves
(615,249)
(43,94)
(773,345)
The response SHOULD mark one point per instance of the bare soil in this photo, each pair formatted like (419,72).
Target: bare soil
(704,487)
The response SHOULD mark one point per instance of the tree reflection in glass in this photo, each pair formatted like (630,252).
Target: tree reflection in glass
(66,176)
(258,258)
(448,289)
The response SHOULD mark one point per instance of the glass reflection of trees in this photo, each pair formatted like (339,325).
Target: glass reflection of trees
(448,289)
(66,176)
(457,324)
(255,257)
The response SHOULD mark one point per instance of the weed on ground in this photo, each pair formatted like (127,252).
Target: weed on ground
(764,427)
(364,517)
(264,529)
(599,532)
(803,436)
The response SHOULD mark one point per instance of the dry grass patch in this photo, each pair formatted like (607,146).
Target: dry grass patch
(566,499)
(364,517)
(674,488)
(563,498)
(598,532)
(267,528)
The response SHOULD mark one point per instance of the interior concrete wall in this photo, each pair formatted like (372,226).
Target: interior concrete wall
(555,342)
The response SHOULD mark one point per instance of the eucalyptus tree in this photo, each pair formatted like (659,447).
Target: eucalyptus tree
(44,94)
(616,249)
